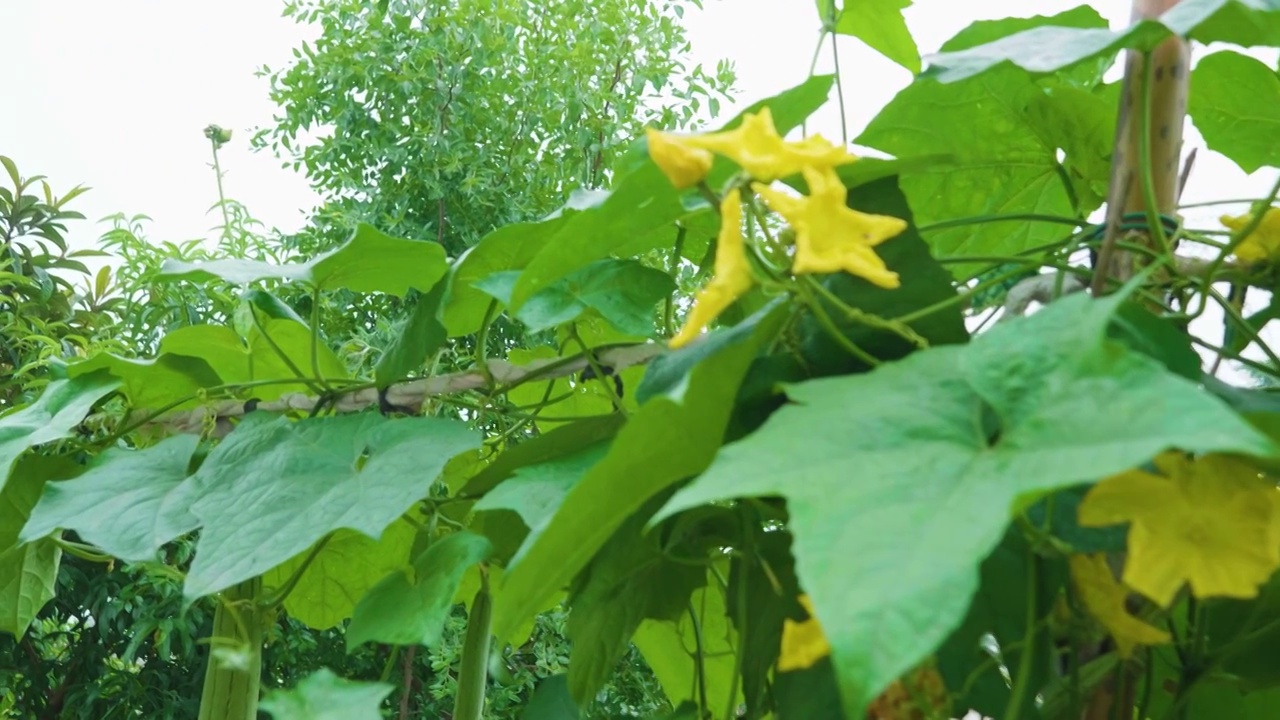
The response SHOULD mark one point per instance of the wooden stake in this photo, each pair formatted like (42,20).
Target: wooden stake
(1167,70)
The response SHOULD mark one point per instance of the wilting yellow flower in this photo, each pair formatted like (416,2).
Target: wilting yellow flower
(1261,244)
(803,643)
(732,275)
(761,151)
(830,236)
(1211,522)
(1104,598)
(917,695)
(683,164)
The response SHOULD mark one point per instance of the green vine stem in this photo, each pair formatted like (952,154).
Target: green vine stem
(870,320)
(215,141)
(829,327)
(468,704)
(231,691)
(82,551)
(1022,681)
(700,668)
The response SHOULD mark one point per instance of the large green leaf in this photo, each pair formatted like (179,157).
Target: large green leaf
(670,647)
(294,341)
(879,24)
(273,487)
(118,503)
(809,693)
(417,337)
(624,292)
(325,696)
(1082,123)
(198,357)
(1055,47)
(340,573)
(510,247)
(898,486)
(410,607)
(1222,701)
(551,701)
(536,491)
(629,580)
(1235,104)
(668,371)
(61,407)
(1003,140)
(638,204)
(156,383)
(371,261)
(28,570)
(670,438)
(563,441)
(1245,633)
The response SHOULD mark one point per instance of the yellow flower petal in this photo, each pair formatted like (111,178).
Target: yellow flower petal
(732,275)
(1104,598)
(830,236)
(1261,244)
(764,154)
(684,165)
(1211,522)
(803,643)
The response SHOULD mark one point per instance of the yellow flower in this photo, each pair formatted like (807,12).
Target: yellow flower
(684,165)
(1211,522)
(761,151)
(830,236)
(732,273)
(803,643)
(1104,598)
(1261,244)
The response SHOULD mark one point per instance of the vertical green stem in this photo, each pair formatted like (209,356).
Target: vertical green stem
(222,196)
(835,58)
(468,704)
(1022,682)
(231,693)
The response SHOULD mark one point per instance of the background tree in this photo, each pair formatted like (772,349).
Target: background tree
(444,120)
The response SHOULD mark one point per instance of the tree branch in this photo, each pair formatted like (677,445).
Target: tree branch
(410,394)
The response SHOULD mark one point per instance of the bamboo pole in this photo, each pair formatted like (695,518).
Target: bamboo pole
(1166,71)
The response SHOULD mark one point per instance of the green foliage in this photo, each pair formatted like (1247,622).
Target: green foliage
(846,500)
(1004,134)
(370,262)
(53,416)
(325,696)
(118,502)
(687,424)
(451,120)
(942,434)
(1235,106)
(274,487)
(623,292)
(42,313)
(880,25)
(409,608)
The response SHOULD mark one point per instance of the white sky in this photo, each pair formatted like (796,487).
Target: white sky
(115,95)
